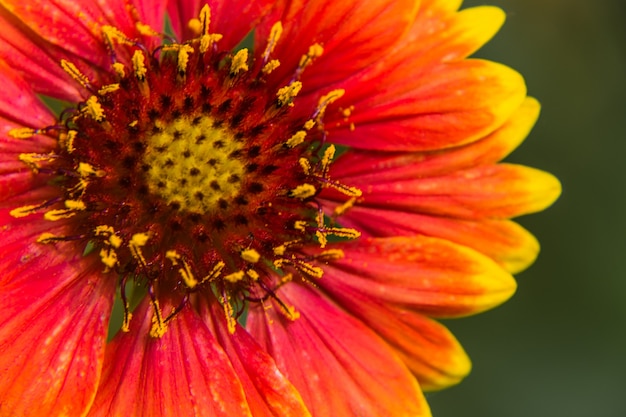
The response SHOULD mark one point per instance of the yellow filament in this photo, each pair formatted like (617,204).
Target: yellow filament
(67,140)
(305,165)
(47,238)
(315,51)
(146,30)
(23,211)
(113,34)
(137,241)
(205,19)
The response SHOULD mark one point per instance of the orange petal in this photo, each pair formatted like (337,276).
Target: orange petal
(504,241)
(375,167)
(430,351)
(429,275)
(449,105)
(183,373)
(340,367)
(54,313)
(353,34)
(268,392)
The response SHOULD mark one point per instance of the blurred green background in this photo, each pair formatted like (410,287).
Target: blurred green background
(558,348)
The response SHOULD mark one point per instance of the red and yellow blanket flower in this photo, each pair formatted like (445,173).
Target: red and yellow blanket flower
(281,196)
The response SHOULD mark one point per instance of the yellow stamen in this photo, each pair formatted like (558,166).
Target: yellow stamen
(74,72)
(94,109)
(22,133)
(305,165)
(253,274)
(340,210)
(300,225)
(86,170)
(207,40)
(270,66)
(228,312)
(217,270)
(23,211)
(309,124)
(139,65)
(113,34)
(286,94)
(137,241)
(275,33)
(47,238)
(303,191)
(289,312)
(205,19)
(185,271)
(119,69)
(280,250)
(67,140)
(310,270)
(251,256)
(326,101)
(195,26)
(58,214)
(235,277)
(329,154)
(240,62)
(159,327)
(146,30)
(183,58)
(315,51)
(108,258)
(108,89)
(296,139)
(34,159)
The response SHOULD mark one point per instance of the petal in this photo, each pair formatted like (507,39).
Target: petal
(233,19)
(376,167)
(449,105)
(430,351)
(268,391)
(339,366)
(183,373)
(54,313)
(428,275)
(489,191)
(353,34)
(504,241)
(19,106)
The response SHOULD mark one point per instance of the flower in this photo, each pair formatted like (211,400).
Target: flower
(281,222)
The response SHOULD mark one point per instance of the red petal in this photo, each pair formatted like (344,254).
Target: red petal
(54,312)
(489,191)
(376,167)
(269,393)
(430,351)
(504,241)
(233,19)
(183,373)
(425,274)
(340,367)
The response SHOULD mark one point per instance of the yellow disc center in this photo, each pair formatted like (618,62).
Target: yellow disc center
(192,164)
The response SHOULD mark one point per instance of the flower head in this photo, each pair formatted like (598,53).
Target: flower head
(279,219)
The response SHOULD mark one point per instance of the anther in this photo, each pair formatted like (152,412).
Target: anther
(239,62)
(275,33)
(75,73)
(250,255)
(287,94)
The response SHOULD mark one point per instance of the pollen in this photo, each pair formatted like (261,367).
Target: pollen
(250,255)
(286,94)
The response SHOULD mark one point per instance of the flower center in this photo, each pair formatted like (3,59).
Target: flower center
(191,163)
(187,174)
